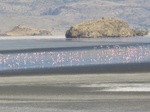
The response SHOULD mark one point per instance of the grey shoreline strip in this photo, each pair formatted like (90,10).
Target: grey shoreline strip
(87,69)
(103,46)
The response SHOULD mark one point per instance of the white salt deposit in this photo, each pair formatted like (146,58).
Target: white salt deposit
(121,87)
(30,37)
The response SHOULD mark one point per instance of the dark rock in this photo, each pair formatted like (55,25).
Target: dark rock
(141,32)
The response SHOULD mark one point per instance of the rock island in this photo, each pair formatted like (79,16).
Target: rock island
(104,27)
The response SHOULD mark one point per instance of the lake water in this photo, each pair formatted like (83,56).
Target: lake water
(52,52)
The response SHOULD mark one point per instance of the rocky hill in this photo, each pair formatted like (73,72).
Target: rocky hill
(104,27)
(59,15)
(26,31)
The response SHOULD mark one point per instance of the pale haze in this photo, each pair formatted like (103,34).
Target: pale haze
(58,15)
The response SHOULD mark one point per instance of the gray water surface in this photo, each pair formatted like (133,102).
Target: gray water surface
(52,53)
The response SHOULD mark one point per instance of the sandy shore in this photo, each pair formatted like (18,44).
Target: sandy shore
(78,93)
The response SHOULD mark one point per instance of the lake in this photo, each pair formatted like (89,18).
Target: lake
(25,53)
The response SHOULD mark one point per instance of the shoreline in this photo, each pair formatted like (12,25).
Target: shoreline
(76,92)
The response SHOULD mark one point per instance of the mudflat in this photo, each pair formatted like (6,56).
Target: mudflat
(111,92)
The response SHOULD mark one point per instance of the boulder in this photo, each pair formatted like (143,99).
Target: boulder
(26,31)
(104,27)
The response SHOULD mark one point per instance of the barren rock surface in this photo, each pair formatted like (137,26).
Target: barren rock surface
(26,31)
(105,27)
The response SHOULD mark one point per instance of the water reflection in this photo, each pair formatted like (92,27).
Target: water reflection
(97,55)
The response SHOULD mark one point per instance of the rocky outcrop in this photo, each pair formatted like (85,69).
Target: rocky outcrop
(104,27)
(26,31)
(141,32)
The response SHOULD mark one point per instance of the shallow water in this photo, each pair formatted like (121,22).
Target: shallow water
(27,53)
